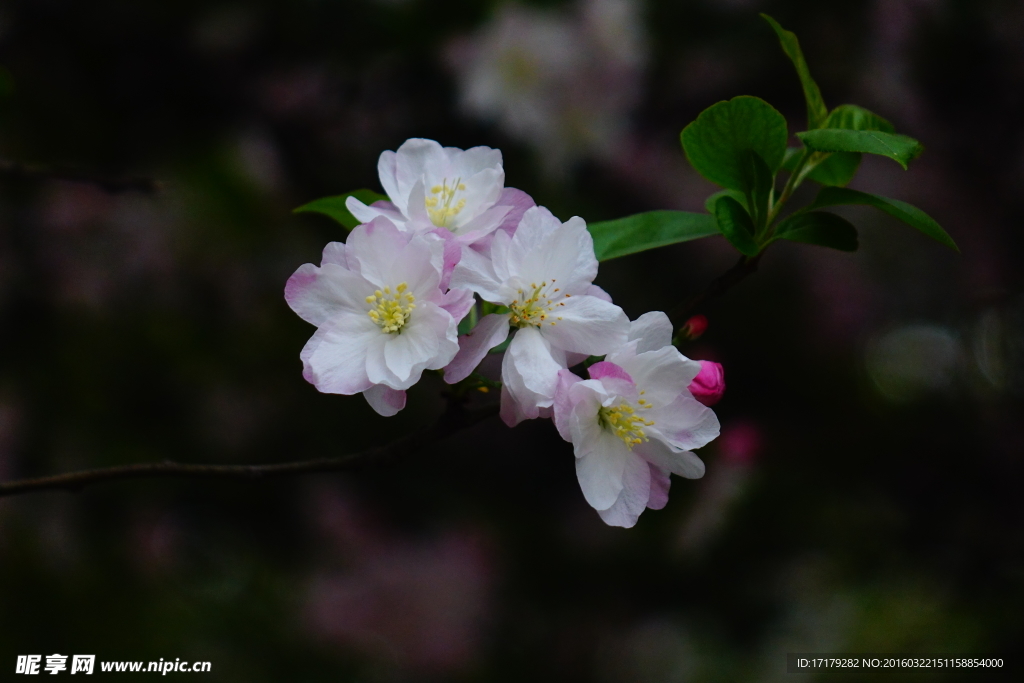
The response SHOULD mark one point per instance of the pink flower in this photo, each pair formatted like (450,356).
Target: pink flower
(381,316)
(633,423)
(709,384)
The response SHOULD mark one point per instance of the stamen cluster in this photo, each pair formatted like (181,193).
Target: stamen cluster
(391,309)
(623,421)
(442,207)
(535,308)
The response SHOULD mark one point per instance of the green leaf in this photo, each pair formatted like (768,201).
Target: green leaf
(852,117)
(838,168)
(710,202)
(909,214)
(817,112)
(821,228)
(650,230)
(734,222)
(760,182)
(716,142)
(899,148)
(335,206)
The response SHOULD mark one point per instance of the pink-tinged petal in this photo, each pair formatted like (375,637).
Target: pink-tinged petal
(600,469)
(490,331)
(683,463)
(373,246)
(500,257)
(660,484)
(563,404)
(588,325)
(709,384)
(519,202)
(385,400)
(605,369)
(418,264)
(595,291)
(683,424)
(334,253)
(586,397)
(511,411)
(458,303)
(663,374)
(452,256)
(537,364)
(652,330)
(377,370)
(635,494)
(422,343)
(481,225)
(387,171)
(476,273)
(366,213)
(334,359)
(319,294)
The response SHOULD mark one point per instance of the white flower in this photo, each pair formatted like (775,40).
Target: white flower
(634,422)
(543,274)
(382,318)
(456,193)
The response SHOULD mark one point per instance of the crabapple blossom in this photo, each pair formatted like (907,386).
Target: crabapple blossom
(381,316)
(458,194)
(709,384)
(634,422)
(543,274)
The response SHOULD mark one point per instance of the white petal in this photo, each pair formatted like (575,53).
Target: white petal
(586,324)
(475,272)
(468,163)
(458,303)
(422,343)
(600,470)
(373,246)
(334,253)
(538,365)
(684,424)
(663,374)
(387,171)
(413,161)
(653,330)
(318,294)
(482,190)
(418,264)
(563,405)
(635,494)
(660,484)
(490,331)
(683,463)
(366,213)
(334,359)
(517,402)
(385,400)
(545,249)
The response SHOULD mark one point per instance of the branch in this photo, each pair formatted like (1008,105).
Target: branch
(15,170)
(454,419)
(720,285)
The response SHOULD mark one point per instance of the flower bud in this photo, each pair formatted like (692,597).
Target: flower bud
(709,384)
(693,328)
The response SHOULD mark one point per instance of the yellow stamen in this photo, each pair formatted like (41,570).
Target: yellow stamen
(391,311)
(623,421)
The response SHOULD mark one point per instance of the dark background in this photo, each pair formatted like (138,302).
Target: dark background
(865,494)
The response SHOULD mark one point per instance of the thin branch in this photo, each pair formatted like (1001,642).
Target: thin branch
(720,285)
(15,170)
(454,419)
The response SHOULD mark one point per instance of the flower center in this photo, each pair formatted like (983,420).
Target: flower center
(623,421)
(533,307)
(391,310)
(441,204)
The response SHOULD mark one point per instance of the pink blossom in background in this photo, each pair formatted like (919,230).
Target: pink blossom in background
(709,384)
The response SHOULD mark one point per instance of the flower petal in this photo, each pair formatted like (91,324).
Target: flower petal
(373,246)
(662,375)
(490,331)
(385,400)
(635,494)
(422,343)
(653,331)
(318,294)
(519,202)
(475,272)
(684,424)
(683,463)
(334,359)
(537,364)
(458,303)
(586,324)
(660,484)
(563,404)
(600,469)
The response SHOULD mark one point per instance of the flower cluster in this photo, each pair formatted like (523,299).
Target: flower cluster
(387,305)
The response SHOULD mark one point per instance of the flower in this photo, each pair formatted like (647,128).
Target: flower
(693,328)
(454,193)
(709,384)
(543,274)
(633,423)
(380,313)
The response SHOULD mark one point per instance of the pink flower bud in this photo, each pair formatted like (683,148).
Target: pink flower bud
(693,328)
(709,384)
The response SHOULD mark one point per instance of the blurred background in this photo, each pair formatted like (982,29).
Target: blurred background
(864,495)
